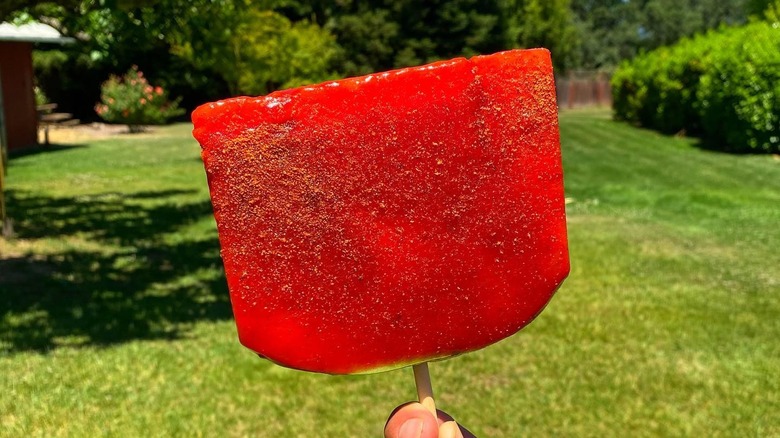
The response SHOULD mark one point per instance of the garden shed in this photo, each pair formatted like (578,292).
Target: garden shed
(18,115)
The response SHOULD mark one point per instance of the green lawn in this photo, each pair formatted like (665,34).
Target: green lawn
(116,320)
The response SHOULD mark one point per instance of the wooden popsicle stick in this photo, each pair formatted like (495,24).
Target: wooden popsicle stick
(422,378)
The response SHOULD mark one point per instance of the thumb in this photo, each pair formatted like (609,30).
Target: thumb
(411,420)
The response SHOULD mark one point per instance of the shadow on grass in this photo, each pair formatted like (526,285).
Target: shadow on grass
(42,149)
(134,274)
(718,147)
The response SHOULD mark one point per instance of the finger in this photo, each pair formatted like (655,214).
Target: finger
(411,420)
(445,418)
(450,429)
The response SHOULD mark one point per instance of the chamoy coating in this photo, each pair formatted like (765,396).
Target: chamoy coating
(380,221)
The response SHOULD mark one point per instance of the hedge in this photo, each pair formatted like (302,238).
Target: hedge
(723,86)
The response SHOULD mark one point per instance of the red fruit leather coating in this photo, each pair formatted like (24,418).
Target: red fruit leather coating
(380,221)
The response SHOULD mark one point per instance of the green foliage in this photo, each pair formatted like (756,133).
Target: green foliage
(772,12)
(368,39)
(724,86)
(112,36)
(40,96)
(540,23)
(306,57)
(382,34)
(9,9)
(131,100)
(108,32)
(609,31)
(658,90)
(208,49)
(758,8)
(665,21)
(47,61)
(254,49)
(739,96)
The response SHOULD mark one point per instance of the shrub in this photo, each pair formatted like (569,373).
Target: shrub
(658,89)
(739,96)
(724,86)
(132,101)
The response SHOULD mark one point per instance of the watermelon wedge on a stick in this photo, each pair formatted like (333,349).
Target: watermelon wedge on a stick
(392,219)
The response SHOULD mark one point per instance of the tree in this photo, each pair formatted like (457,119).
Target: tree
(8,8)
(255,50)
(384,34)
(201,49)
(612,30)
(540,23)
(369,39)
(443,29)
(608,31)
(758,7)
(106,38)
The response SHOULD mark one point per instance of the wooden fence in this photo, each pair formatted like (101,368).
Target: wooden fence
(583,89)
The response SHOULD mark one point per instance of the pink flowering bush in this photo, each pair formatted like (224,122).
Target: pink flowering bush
(132,101)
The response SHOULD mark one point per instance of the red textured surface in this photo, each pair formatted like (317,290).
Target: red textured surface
(385,220)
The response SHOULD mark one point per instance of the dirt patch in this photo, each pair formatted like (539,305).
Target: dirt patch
(82,133)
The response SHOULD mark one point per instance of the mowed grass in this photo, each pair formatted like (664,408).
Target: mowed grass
(116,320)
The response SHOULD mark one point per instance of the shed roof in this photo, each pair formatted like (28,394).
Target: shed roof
(32,33)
